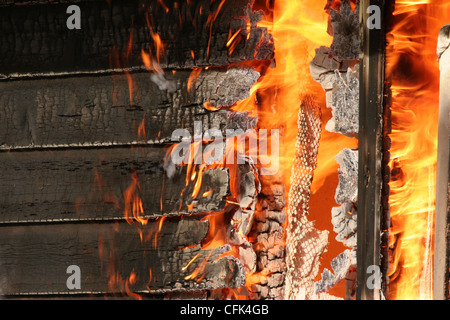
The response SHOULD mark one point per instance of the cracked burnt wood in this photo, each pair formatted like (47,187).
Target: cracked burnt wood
(36,41)
(99,110)
(100,184)
(112,258)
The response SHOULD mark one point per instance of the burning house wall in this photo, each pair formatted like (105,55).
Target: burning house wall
(85,137)
(137,145)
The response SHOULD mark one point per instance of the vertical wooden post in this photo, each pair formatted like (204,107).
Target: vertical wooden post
(372,37)
(441,251)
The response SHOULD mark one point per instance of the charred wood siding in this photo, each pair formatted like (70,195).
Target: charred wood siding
(36,40)
(105,110)
(74,185)
(34,259)
(73,106)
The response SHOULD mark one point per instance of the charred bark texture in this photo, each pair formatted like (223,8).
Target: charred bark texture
(36,40)
(112,258)
(99,184)
(108,110)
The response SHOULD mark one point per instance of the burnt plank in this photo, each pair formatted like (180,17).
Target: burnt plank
(370,140)
(102,184)
(36,40)
(112,258)
(120,109)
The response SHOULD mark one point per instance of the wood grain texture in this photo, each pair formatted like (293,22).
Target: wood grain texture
(90,184)
(99,110)
(34,259)
(36,41)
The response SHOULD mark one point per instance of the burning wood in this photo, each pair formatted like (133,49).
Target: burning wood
(192,225)
(249,188)
(180,34)
(268,237)
(336,70)
(89,185)
(347,189)
(344,223)
(341,266)
(345,103)
(345,25)
(339,78)
(98,110)
(108,254)
(87,124)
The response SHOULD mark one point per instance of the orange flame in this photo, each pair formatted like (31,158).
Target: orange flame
(147,58)
(211,18)
(141,129)
(190,262)
(193,77)
(231,43)
(207,193)
(198,274)
(133,203)
(298,28)
(198,183)
(131,281)
(414,73)
(161,2)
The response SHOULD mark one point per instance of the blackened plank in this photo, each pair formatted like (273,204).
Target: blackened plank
(112,258)
(370,152)
(100,184)
(99,110)
(35,39)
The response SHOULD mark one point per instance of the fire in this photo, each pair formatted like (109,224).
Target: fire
(193,77)
(207,193)
(152,64)
(198,274)
(141,129)
(190,262)
(233,41)
(133,210)
(131,281)
(210,22)
(413,70)
(298,28)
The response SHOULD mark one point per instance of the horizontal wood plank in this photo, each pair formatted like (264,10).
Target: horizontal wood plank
(100,111)
(102,184)
(36,41)
(112,258)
